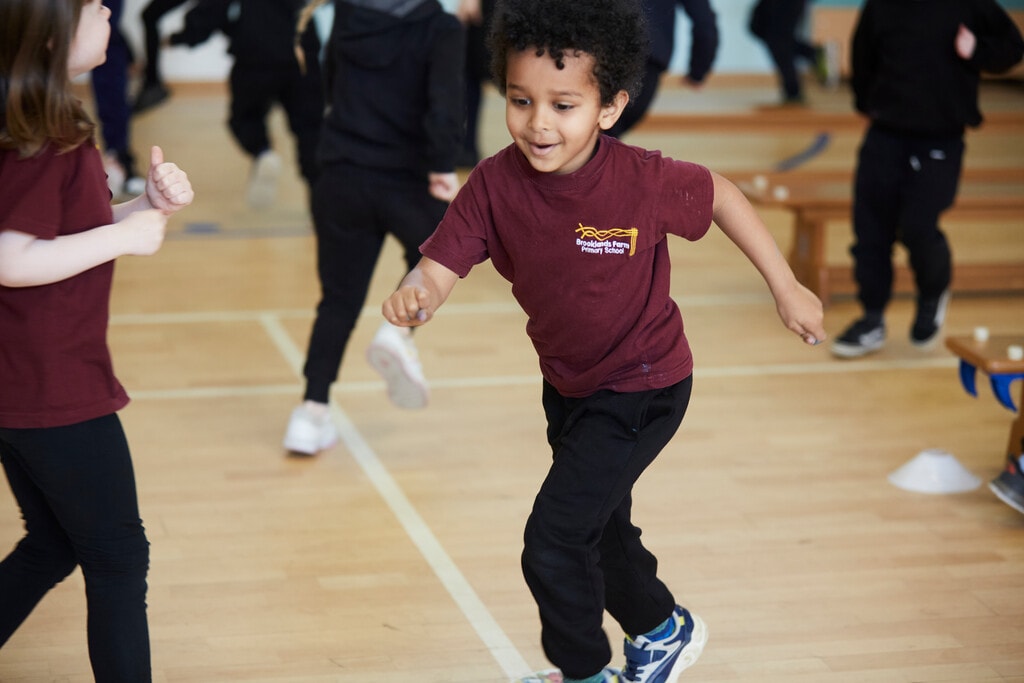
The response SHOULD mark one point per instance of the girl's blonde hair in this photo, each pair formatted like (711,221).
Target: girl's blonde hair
(305,16)
(37,106)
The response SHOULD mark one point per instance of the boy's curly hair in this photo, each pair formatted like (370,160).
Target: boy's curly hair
(612,31)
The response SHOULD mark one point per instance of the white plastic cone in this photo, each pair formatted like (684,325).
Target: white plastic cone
(934,471)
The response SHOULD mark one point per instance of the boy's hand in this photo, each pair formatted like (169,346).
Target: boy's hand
(801,311)
(408,307)
(167,187)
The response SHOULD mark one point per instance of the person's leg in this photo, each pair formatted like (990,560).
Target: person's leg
(252,96)
(877,183)
(153,90)
(151,16)
(348,246)
(775,22)
(637,108)
(581,552)
(876,204)
(110,89)
(86,474)
(411,214)
(44,556)
(254,90)
(930,189)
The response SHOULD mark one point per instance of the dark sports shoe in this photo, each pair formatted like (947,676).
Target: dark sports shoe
(662,661)
(1009,485)
(149,96)
(864,336)
(928,322)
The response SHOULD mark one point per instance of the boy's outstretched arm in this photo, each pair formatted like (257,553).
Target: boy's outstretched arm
(798,307)
(421,293)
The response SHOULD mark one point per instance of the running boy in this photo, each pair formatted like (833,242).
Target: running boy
(577,222)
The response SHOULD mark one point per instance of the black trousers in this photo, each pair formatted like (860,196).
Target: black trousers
(354,210)
(902,186)
(110,88)
(75,486)
(256,88)
(637,108)
(775,22)
(151,16)
(582,554)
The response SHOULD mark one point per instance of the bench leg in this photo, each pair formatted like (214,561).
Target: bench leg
(807,257)
(1015,448)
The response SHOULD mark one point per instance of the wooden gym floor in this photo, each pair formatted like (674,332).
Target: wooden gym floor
(394,556)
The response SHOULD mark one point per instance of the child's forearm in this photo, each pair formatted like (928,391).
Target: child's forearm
(436,279)
(26,261)
(124,209)
(421,293)
(735,216)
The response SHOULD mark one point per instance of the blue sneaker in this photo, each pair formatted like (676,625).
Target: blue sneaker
(662,661)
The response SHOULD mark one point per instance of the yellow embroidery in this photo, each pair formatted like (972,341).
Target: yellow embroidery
(604,235)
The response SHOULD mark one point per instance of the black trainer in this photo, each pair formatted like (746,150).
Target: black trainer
(150,95)
(1009,485)
(931,313)
(864,336)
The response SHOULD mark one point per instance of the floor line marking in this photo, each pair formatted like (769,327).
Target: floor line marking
(487,382)
(458,587)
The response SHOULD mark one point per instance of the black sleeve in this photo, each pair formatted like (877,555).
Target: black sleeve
(1000,46)
(862,57)
(445,95)
(201,22)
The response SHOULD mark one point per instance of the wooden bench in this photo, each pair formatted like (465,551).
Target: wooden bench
(817,199)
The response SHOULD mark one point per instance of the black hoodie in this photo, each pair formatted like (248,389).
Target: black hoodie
(907,75)
(394,87)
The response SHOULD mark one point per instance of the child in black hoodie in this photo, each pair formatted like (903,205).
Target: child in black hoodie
(265,72)
(916,69)
(393,128)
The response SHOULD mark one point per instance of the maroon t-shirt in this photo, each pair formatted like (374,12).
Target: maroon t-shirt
(587,258)
(55,367)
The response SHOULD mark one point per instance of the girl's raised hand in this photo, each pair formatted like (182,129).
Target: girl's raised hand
(167,187)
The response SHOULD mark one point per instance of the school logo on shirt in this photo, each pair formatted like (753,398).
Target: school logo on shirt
(614,241)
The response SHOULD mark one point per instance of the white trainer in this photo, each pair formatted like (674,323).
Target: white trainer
(262,192)
(309,434)
(392,353)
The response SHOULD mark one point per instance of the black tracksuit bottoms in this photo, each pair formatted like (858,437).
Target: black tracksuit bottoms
(354,210)
(581,552)
(256,88)
(903,184)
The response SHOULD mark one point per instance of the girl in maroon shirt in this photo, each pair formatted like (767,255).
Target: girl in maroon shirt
(61,443)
